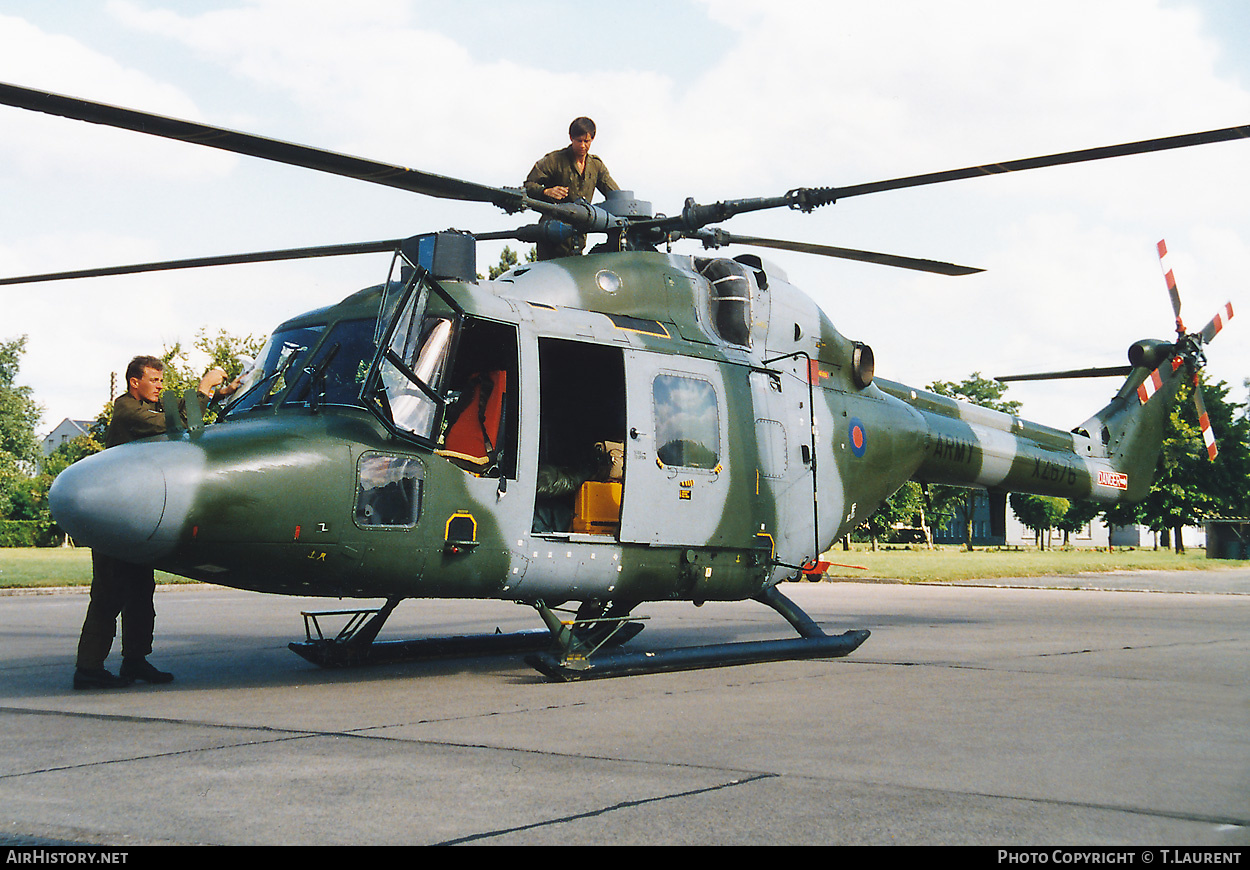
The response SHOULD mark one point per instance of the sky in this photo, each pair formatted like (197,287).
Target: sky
(714,99)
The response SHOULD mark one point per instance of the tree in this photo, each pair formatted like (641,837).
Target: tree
(987,393)
(1229,476)
(1189,487)
(507,259)
(19,415)
(221,348)
(1080,513)
(1122,515)
(902,508)
(1039,513)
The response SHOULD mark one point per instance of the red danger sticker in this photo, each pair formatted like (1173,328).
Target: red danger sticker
(1113,479)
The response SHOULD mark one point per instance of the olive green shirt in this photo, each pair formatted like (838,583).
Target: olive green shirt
(558,169)
(135,418)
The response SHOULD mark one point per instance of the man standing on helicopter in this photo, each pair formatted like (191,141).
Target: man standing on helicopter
(565,175)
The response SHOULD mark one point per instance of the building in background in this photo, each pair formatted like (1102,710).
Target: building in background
(67,430)
(995,525)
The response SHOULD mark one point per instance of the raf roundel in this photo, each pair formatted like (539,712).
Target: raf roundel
(858,437)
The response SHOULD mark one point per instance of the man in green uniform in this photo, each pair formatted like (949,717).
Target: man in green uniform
(565,175)
(117,587)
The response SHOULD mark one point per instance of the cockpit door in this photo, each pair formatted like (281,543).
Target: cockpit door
(404,387)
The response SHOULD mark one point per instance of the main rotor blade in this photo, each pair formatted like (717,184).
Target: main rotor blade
(901,262)
(1145,146)
(695,216)
(224,260)
(1103,372)
(390,175)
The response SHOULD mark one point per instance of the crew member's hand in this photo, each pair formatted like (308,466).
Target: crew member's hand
(557,193)
(212,379)
(231,388)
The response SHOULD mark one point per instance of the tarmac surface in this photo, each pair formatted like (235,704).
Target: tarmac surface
(1061,714)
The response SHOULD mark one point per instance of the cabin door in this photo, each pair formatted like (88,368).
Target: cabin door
(677,453)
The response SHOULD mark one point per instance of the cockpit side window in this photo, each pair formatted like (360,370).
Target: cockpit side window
(448,380)
(404,385)
(412,372)
(388,491)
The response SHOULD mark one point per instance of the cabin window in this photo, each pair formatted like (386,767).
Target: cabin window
(687,421)
(388,491)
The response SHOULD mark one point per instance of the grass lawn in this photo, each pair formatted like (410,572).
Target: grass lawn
(954,563)
(25,567)
(30,567)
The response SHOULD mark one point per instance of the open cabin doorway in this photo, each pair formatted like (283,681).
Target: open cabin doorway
(581,437)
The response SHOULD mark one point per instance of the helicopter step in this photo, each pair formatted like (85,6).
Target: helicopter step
(356,644)
(580,661)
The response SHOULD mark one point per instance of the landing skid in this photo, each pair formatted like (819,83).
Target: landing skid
(577,662)
(356,645)
(585,647)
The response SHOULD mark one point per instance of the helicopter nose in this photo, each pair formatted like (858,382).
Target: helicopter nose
(118,501)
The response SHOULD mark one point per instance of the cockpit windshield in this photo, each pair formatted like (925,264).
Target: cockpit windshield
(336,370)
(277,366)
(319,371)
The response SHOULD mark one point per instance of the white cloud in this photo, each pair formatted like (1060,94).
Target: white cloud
(45,146)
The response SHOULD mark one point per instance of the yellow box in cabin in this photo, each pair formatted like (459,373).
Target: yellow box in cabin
(598,508)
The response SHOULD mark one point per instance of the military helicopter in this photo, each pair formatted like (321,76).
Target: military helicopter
(628,426)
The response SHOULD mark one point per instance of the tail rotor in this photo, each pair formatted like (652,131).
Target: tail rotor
(1188,353)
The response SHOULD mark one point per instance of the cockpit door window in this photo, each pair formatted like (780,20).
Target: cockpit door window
(404,387)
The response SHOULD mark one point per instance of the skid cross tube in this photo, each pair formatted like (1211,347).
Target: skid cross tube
(578,639)
(812,643)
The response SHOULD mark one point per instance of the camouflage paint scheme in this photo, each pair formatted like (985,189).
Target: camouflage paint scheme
(266,500)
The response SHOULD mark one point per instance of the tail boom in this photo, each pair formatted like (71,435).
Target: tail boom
(1110,458)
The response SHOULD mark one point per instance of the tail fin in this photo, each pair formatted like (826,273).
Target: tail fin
(1131,425)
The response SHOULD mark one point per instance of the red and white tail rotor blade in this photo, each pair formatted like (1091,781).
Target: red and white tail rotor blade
(1204,422)
(1217,323)
(1171,282)
(1154,381)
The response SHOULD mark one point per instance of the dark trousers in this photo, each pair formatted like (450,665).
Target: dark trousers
(117,589)
(568,248)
